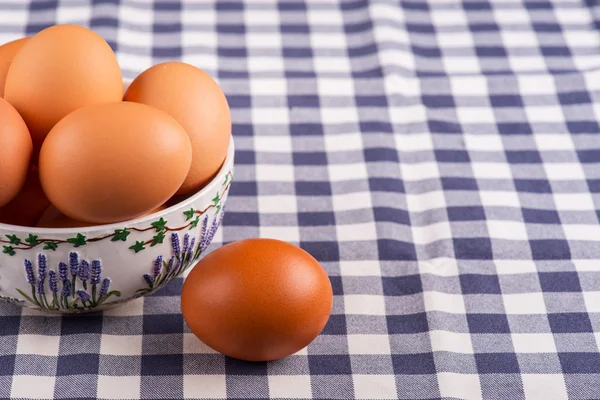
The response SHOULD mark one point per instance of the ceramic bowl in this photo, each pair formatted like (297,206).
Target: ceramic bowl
(78,270)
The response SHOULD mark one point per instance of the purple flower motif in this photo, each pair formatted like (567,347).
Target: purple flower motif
(157,266)
(190,253)
(63,270)
(29,272)
(96,272)
(104,287)
(41,289)
(42,267)
(170,265)
(53,281)
(175,244)
(67,288)
(213,229)
(74,263)
(84,270)
(149,280)
(186,243)
(83,295)
(204,234)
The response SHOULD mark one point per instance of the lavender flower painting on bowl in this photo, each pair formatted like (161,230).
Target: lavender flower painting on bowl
(94,268)
(77,285)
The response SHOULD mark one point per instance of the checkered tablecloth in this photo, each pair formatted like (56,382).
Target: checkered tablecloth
(441,160)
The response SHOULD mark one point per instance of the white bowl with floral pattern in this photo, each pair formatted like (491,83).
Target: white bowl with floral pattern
(78,270)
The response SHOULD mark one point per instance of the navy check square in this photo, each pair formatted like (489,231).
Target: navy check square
(439,158)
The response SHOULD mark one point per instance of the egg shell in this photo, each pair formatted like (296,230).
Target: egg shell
(15,152)
(58,70)
(112,162)
(196,101)
(257,299)
(53,218)
(27,207)
(7,53)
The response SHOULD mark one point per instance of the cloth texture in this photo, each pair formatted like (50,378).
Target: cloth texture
(441,159)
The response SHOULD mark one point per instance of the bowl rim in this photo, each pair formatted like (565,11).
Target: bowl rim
(225,168)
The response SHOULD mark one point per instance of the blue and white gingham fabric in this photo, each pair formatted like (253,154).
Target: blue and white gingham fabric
(440,158)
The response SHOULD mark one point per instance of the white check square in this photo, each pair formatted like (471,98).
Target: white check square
(375,386)
(264,16)
(204,387)
(340,65)
(524,303)
(335,86)
(536,85)
(592,301)
(42,345)
(533,342)
(121,345)
(352,201)
(425,201)
(431,233)
(344,142)
(414,142)
(271,64)
(459,386)
(360,268)
(445,302)
(564,171)
(455,39)
(260,40)
(356,232)
(347,172)
(508,230)
(491,170)
(554,141)
(189,15)
(119,387)
(364,304)
(574,202)
(274,172)
(544,386)
(453,342)
(462,65)
(369,344)
(33,387)
(268,87)
(273,144)
(544,114)
(441,266)
(475,115)
(528,64)
(448,17)
(483,142)
(290,386)
(469,85)
(419,171)
(500,199)
(581,231)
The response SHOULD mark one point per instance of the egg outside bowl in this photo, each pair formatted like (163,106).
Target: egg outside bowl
(79,270)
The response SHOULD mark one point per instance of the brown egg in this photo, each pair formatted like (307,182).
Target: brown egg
(59,70)
(113,162)
(28,206)
(257,299)
(195,100)
(15,152)
(7,53)
(52,218)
